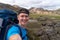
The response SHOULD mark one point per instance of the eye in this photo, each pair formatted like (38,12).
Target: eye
(22,15)
(26,16)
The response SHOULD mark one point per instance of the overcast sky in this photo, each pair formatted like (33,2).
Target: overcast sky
(46,4)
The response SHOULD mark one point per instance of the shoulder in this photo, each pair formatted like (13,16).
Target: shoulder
(12,31)
(13,28)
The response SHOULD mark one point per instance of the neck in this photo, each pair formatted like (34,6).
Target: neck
(22,25)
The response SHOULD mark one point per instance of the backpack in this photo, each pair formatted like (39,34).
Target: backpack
(7,17)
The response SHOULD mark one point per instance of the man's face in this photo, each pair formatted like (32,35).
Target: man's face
(23,18)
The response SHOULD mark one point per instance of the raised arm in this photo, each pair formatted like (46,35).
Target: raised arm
(13,34)
(15,37)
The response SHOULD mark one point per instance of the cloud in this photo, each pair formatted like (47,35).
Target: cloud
(46,4)
(6,1)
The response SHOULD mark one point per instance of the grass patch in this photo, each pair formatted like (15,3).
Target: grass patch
(35,16)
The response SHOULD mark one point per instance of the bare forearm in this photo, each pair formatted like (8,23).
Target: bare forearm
(15,37)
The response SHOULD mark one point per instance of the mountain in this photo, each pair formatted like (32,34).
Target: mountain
(43,11)
(32,9)
(7,6)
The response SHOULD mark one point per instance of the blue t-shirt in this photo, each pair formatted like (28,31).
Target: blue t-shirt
(15,30)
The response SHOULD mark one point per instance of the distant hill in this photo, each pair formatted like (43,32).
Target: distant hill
(43,11)
(7,6)
(32,9)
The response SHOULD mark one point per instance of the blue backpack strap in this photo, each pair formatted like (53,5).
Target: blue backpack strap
(16,25)
(21,33)
(19,29)
(8,27)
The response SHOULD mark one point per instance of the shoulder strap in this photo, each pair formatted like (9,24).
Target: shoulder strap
(19,29)
(8,27)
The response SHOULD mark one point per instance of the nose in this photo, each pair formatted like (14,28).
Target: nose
(24,18)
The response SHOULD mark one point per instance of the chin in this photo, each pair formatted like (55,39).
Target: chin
(24,23)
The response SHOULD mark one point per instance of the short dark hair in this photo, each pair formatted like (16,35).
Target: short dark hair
(23,10)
